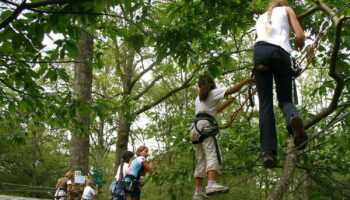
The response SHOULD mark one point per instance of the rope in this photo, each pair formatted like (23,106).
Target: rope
(319,35)
(234,115)
(315,45)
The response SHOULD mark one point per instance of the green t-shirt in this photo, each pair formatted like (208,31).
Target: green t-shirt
(63,182)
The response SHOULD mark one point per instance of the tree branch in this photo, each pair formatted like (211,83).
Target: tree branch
(9,2)
(23,6)
(14,89)
(309,12)
(40,62)
(137,78)
(147,88)
(344,105)
(332,71)
(186,84)
(287,174)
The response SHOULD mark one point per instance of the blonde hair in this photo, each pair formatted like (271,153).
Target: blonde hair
(89,182)
(69,174)
(272,4)
(140,149)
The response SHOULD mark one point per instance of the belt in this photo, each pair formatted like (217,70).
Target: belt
(266,43)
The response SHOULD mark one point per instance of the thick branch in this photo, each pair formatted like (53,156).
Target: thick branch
(25,5)
(13,16)
(309,12)
(287,174)
(186,84)
(328,11)
(147,88)
(332,73)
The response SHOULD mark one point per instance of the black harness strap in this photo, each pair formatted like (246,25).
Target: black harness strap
(131,177)
(250,96)
(204,135)
(208,132)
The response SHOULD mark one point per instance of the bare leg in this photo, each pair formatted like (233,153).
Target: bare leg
(199,181)
(212,174)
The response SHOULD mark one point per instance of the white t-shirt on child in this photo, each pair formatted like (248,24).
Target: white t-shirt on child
(125,170)
(88,193)
(210,105)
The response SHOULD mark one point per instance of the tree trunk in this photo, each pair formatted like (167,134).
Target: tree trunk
(125,70)
(287,175)
(82,89)
(123,136)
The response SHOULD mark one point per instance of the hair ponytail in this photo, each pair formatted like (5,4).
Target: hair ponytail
(127,155)
(206,84)
(272,4)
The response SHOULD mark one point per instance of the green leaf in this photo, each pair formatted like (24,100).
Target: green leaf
(63,75)
(52,75)
(214,70)
(71,48)
(42,69)
(225,26)
(259,3)
(347,85)
(24,106)
(136,41)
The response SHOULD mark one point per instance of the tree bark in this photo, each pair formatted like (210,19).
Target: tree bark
(82,90)
(125,70)
(287,174)
(123,136)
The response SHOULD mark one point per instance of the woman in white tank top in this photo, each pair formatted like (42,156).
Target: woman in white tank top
(272,61)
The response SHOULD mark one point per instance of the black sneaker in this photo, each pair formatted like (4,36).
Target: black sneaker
(299,133)
(269,159)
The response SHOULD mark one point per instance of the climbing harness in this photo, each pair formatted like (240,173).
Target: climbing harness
(60,193)
(209,130)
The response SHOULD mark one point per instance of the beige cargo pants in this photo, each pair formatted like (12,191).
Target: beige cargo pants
(206,154)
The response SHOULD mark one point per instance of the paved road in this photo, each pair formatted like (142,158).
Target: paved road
(3,197)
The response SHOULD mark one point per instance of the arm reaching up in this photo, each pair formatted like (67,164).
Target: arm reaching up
(238,86)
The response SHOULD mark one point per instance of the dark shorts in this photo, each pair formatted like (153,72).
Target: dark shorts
(132,189)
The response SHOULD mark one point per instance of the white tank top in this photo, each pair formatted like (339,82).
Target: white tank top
(279,24)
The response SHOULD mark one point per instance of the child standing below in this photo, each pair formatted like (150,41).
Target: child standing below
(89,191)
(203,133)
(137,167)
(64,186)
(128,156)
(117,186)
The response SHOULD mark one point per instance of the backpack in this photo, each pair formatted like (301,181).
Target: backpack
(117,187)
